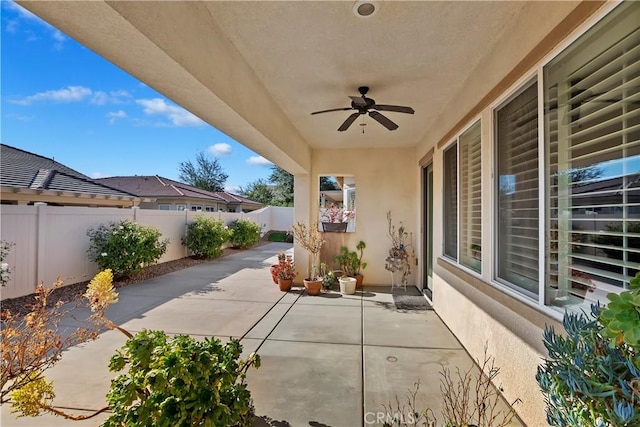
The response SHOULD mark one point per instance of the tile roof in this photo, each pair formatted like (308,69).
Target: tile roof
(235,198)
(22,169)
(157,186)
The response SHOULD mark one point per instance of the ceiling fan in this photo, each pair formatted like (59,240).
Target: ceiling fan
(364,105)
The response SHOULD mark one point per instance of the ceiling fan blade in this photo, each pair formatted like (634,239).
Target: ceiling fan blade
(332,109)
(352,118)
(383,120)
(395,108)
(358,101)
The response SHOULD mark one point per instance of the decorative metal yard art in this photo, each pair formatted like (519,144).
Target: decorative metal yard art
(398,260)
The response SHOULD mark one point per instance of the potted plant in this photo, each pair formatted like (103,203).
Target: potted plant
(398,259)
(336,219)
(347,285)
(274,267)
(351,263)
(329,277)
(286,274)
(311,240)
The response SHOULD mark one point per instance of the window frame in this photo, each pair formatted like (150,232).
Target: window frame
(454,143)
(529,79)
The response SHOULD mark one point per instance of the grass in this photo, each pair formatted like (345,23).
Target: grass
(278,236)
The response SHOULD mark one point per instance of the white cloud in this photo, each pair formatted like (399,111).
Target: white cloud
(68,94)
(113,97)
(115,115)
(96,175)
(19,117)
(220,149)
(259,161)
(12,26)
(232,188)
(177,115)
(76,94)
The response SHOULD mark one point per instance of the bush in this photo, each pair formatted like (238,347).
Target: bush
(245,233)
(5,248)
(125,247)
(586,381)
(180,382)
(205,237)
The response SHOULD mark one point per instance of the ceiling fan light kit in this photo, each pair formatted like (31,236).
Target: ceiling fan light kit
(364,105)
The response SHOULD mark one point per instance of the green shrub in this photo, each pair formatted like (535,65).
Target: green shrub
(125,247)
(5,271)
(585,381)
(245,233)
(180,382)
(205,237)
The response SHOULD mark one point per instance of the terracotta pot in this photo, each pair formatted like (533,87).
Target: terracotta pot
(313,287)
(274,273)
(285,284)
(359,279)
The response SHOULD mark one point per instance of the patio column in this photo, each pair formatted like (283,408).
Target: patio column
(302,203)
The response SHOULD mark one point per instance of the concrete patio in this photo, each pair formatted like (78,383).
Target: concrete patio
(331,360)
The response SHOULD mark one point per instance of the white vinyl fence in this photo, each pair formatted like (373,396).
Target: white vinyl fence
(52,241)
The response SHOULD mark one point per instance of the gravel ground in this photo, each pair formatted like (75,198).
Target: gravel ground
(21,305)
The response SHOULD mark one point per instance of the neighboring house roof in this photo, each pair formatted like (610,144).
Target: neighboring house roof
(24,170)
(159,187)
(234,198)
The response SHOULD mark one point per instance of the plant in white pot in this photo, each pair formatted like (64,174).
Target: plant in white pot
(311,240)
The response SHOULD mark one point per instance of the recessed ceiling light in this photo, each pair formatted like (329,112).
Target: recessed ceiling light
(365,9)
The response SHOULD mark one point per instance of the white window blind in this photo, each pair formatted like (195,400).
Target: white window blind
(592,122)
(470,198)
(517,180)
(451,202)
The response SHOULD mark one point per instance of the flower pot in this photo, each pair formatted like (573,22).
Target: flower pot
(285,284)
(313,287)
(335,227)
(347,285)
(274,273)
(359,279)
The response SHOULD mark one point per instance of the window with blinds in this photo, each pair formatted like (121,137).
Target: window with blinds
(517,229)
(592,127)
(470,198)
(451,202)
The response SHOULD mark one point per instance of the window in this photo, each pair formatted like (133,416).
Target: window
(470,198)
(592,123)
(196,208)
(164,207)
(181,207)
(451,202)
(517,192)
(337,204)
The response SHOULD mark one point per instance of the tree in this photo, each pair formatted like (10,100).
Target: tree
(327,183)
(258,191)
(206,174)
(282,186)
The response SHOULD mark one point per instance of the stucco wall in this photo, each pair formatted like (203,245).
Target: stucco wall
(386,179)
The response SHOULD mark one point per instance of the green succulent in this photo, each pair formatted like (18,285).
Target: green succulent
(621,317)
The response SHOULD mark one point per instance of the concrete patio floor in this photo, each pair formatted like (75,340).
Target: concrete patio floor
(330,360)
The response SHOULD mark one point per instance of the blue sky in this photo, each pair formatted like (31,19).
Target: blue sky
(61,100)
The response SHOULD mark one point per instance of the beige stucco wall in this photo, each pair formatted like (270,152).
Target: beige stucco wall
(479,312)
(386,179)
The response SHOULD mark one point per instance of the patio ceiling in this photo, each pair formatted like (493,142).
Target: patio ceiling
(256,70)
